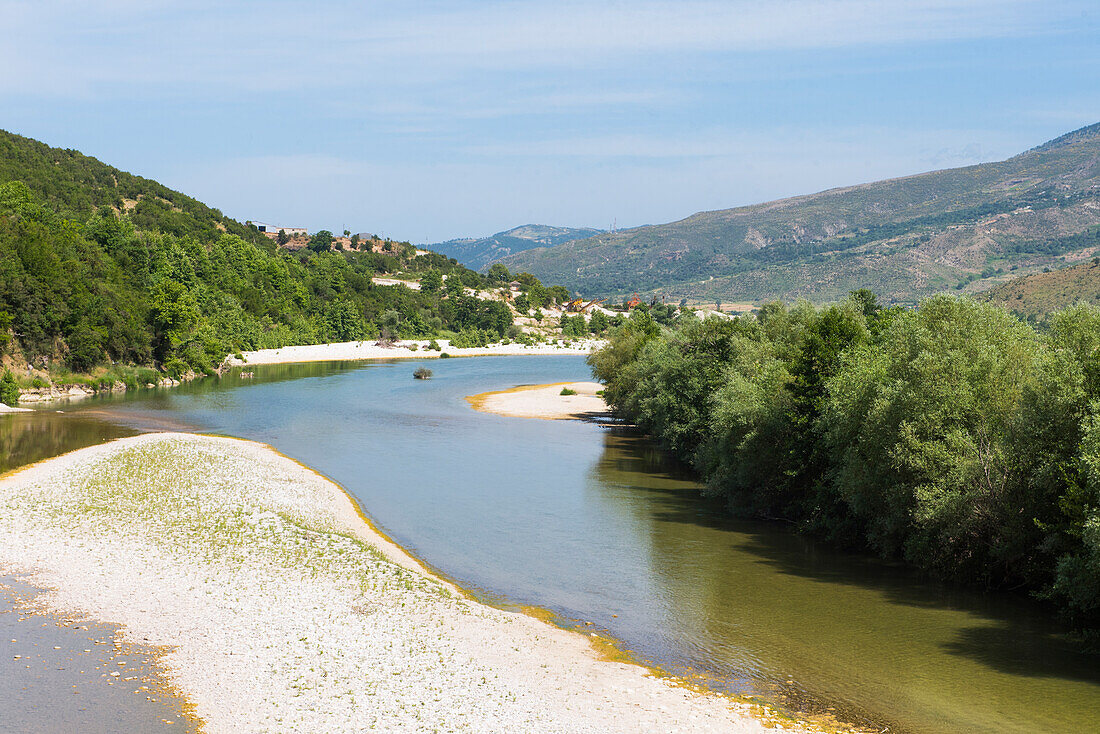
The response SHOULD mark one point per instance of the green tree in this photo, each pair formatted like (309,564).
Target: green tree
(321,242)
(498,273)
(573,325)
(453,286)
(923,424)
(282,238)
(342,322)
(599,323)
(9,390)
(431,281)
(5,330)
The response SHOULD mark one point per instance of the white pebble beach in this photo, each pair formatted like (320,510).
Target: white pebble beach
(411,349)
(582,400)
(279,608)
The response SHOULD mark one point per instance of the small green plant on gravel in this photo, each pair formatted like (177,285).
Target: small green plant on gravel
(567,391)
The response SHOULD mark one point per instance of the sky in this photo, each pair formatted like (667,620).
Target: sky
(426,121)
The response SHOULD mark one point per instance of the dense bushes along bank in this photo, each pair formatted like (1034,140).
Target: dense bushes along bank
(952,435)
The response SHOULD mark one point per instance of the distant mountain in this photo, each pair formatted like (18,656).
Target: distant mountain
(480,253)
(1040,293)
(905,238)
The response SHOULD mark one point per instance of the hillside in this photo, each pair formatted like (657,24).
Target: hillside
(904,237)
(482,252)
(107,274)
(1036,295)
(74,185)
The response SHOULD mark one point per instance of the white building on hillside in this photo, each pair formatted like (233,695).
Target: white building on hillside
(272,230)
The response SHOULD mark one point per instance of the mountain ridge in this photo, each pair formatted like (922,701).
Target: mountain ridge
(905,237)
(479,253)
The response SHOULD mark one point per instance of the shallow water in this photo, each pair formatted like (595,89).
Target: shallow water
(61,676)
(592,524)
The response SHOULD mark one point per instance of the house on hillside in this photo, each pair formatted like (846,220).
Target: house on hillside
(272,230)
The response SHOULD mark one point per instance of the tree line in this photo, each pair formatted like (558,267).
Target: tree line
(96,290)
(952,435)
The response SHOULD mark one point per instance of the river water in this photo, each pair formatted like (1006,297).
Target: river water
(594,525)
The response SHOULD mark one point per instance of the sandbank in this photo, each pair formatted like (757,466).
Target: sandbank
(401,350)
(280,608)
(545,401)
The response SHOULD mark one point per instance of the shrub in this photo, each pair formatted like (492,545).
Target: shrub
(175,368)
(567,391)
(9,390)
(434,345)
(444,355)
(422,373)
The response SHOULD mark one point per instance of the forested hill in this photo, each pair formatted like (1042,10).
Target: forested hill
(904,238)
(75,185)
(479,253)
(102,272)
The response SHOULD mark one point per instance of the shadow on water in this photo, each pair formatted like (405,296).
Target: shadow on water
(886,612)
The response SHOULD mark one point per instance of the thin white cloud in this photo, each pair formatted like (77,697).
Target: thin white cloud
(83,48)
(964,146)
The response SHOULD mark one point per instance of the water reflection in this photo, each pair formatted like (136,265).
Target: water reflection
(850,635)
(29,437)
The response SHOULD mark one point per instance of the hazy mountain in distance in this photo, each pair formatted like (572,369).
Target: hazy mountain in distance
(481,252)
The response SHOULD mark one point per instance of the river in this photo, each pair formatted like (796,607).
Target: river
(594,525)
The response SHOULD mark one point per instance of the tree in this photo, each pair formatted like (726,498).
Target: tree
(536,295)
(498,272)
(453,286)
(573,325)
(321,242)
(598,324)
(431,281)
(390,323)
(557,293)
(5,330)
(355,241)
(9,390)
(282,238)
(343,322)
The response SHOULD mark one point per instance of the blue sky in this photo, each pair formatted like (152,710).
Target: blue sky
(431,120)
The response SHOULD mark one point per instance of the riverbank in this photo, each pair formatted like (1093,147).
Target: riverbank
(403,350)
(90,385)
(281,609)
(545,401)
